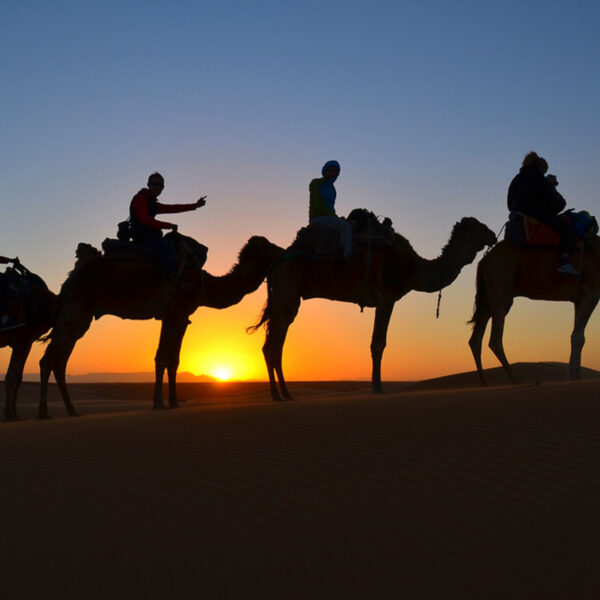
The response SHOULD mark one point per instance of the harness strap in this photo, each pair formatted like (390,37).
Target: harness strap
(368,264)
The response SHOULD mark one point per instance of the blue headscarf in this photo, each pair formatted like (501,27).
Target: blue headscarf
(330,163)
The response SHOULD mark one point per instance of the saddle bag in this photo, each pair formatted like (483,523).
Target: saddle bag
(124,231)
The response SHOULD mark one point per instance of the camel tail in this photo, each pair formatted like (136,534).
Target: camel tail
(480,304)
(264,320)
(266,311)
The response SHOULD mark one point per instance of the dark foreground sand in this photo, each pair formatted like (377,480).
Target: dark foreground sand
(441,493)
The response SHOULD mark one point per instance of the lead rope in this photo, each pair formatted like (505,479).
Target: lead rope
(439,299)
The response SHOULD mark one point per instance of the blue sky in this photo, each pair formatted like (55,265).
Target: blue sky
(428,106)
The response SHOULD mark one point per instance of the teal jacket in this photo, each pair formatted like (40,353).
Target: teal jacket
(322,198)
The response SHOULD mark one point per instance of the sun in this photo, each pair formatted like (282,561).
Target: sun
(221,373)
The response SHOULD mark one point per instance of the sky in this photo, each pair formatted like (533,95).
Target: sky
(428,106)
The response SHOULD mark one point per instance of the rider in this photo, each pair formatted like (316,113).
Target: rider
(534,193)
(146,229)
(322,205)
(7,321)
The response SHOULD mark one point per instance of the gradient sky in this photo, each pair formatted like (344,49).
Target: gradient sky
(428,106)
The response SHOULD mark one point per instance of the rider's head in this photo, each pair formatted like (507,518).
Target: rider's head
(531,158)
(331,169)
(156,183)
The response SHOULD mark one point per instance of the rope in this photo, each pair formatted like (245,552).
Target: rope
(439,298)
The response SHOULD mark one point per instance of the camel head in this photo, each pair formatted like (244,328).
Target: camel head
(475,233)
(261,249)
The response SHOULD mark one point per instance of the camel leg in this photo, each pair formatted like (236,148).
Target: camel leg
(13,378)
(475,343)
(273,352)
(267,351)
(55,359)
(383,313)
(167,356)
(274,341)
(496,345)
(583,312)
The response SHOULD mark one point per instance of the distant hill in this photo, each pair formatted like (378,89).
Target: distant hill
(137,377)
(525,372)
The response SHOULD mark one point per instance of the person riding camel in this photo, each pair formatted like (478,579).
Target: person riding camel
(534,193)
(7,320)
(147,230)
(322,205)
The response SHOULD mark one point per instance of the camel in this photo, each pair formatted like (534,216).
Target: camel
(137,289)
(509,271)
(391,273)
(37,311)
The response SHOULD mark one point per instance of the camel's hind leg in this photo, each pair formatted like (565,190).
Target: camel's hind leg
(383,314)
(273,348)
(479,326)
(167,356)
(56,357)
(14,376)
(498,318)
(583,311)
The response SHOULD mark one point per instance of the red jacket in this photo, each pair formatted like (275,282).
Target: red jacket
(145,206)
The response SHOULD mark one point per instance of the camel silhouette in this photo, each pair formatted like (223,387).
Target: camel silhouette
(136,289)
(394,271)
(38,307)
(509,271)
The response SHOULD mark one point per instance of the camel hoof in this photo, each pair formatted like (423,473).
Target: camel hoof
(173,405)
(159,407)
(75,414)
(44,417)
(11,418)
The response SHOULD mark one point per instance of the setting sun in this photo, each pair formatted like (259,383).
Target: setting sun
(221,373)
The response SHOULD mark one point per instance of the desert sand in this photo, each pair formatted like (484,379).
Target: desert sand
(434,490)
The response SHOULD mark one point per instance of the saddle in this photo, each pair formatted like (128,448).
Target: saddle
(188,252)
(523,230)
(321,242)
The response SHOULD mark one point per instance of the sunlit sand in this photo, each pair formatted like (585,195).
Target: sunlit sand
(436,489)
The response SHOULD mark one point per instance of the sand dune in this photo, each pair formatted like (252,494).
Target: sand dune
(461,492)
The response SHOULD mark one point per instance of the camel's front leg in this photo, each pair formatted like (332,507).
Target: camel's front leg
(583,311)
(14,376)
(383,313)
